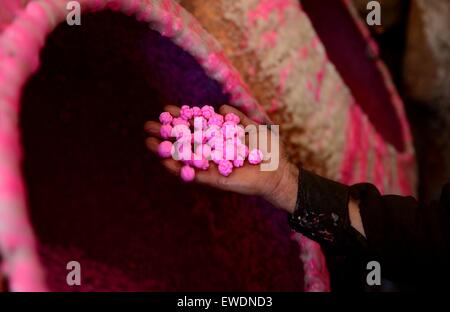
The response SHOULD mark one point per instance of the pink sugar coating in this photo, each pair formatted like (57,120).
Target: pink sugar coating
(202,164)
(255,157)
(187,173)
(200,122)
(166,131)
(196,111)
(186,112)
(240,131)
(242,150)
(230,150)
(217,156)
(216,120)
(229,129)
(212,131)
(207,111)
(180,121)
(212,142)
(204,150)
(197,138)
(165,118)
(183,151)
(220,135)
(181,131)
(165,149)
(238,162)
(225,167)
(233,118)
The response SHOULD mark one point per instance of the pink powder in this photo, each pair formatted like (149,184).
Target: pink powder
(269,39)
(380,168)
(284,75)
(353,139)
(303,53)
(267,7)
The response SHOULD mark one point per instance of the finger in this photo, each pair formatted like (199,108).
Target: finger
(153,128)
(173,110)
(245,121)
(172,166)
(152,144)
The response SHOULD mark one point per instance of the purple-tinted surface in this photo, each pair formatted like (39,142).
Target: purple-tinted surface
(98,195)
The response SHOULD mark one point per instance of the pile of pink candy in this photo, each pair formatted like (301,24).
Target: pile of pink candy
(215,137)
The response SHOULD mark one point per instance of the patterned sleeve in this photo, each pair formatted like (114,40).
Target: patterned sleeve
(403,234)
(321,213)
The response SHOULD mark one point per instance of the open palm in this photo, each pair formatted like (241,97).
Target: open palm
(249,179)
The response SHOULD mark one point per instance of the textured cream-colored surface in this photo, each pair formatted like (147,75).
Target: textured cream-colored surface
(279,55)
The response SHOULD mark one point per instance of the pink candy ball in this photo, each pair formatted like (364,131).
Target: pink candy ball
(225,167)
(180,121)
(217,156)
(212,142)
(212,132)
(166,131)
(165,149)
(230,150)
(216,120)
(223,134)
(182,133)
(187,173)
(255,157)
(197,139)
(202,163)
(200,123)
(207,111)
(182,151)
(186,112)
(233,118)
(240,132)
(165,118)
(204,150)
(238,162)
(229,129)
(196,111)
(242,150)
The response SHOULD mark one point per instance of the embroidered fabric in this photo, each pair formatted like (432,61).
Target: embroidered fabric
(321,213)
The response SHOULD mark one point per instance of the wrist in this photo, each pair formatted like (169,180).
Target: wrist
(284,193)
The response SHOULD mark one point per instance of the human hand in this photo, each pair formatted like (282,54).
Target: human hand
(279,186)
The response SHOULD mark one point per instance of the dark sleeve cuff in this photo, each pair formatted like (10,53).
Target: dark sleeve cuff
(321,213)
